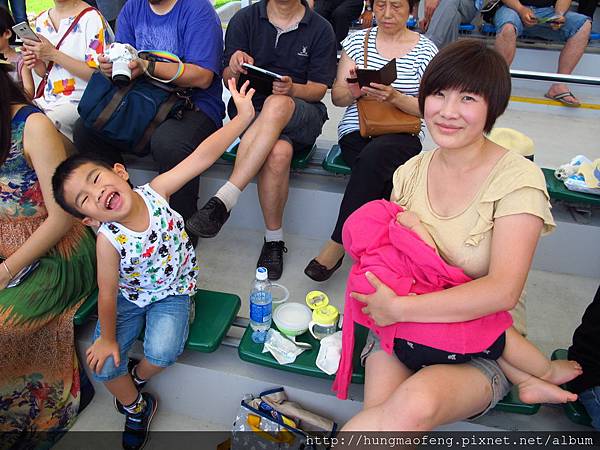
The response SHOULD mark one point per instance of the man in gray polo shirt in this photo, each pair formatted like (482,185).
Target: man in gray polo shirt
(288,38)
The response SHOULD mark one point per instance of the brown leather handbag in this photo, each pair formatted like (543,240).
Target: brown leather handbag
(366,18)
(377,118)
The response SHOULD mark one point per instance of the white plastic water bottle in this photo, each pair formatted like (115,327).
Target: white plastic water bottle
(261,306)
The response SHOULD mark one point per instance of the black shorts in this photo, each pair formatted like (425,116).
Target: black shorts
(416,356)
(305,125)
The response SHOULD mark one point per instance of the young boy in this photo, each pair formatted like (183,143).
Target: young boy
(148,265)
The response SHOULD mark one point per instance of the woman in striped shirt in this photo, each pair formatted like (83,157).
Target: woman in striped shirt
(374,160)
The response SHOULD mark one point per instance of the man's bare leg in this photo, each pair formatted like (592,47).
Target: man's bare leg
(506,43)
(273,184)
(258,141)
(569,58)
(254,149)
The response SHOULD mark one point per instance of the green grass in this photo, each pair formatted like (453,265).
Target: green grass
(37,6)
(219,3)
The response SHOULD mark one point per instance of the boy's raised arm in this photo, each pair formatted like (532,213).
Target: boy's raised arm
(108,288)
(211,148)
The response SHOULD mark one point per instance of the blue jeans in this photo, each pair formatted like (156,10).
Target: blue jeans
(573,23)
(590,398)
(167,326)
(18,10)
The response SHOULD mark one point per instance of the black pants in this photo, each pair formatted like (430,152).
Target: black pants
(340,13)
(373,162)
(587,7)
(172,142)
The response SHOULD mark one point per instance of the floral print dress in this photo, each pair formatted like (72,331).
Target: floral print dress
(39,376)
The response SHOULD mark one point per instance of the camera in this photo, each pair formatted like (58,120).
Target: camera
(121,55)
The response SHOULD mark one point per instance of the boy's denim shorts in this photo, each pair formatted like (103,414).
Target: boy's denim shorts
(165,335)
(590,398)
(572,24)
(490,368)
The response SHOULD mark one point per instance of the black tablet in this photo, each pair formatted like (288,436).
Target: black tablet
(386,75)
(260,79)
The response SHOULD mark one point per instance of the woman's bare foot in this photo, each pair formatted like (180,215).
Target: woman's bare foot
(330,254)
(562,371)
(535,390)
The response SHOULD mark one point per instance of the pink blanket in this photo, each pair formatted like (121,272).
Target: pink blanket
(401,260)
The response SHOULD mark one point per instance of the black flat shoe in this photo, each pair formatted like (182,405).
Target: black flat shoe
(318,272)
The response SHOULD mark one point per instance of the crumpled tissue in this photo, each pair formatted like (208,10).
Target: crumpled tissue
(283,350)
(330,352)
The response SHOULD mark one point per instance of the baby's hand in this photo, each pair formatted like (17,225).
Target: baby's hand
(408,219)
(242,98)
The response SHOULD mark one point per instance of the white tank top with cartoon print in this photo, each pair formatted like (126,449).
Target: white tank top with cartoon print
(158,262)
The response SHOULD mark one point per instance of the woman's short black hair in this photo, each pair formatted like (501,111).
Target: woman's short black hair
(6,24)
(468,65)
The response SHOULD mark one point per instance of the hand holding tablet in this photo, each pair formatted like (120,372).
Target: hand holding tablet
(262,72)
(260,79)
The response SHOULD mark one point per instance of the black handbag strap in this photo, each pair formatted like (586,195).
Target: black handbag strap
(161,115)
(109,109)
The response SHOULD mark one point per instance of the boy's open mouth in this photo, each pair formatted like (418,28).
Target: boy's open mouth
(111,200)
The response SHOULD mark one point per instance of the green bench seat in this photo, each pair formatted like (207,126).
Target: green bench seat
(334,162)
(88,307)
(575,411)
(305,365)
(251,352)
(214,314)
(299,161)
(558,191)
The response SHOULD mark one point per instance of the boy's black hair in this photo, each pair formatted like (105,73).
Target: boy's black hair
(468,65)
(6,24)
(65,169)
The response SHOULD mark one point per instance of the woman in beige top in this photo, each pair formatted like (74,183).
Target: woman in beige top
(485,208)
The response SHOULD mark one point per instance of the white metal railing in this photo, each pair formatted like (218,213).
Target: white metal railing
(555,77)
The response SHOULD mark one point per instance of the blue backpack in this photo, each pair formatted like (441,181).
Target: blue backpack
(129,115)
